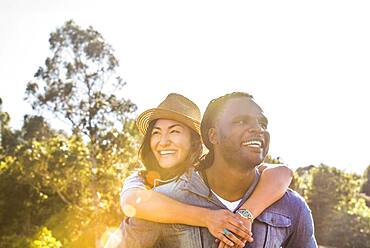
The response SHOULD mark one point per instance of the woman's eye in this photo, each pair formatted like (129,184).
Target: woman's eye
(155,132)
(175,131)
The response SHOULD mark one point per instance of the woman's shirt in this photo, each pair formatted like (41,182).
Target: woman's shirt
(134,181)
(139,180)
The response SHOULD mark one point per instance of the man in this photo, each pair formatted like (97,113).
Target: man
(234,129)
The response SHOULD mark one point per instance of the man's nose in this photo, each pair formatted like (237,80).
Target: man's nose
(256,128)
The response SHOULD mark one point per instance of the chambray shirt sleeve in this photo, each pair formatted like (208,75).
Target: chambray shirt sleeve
(134,181)
(303,235)
(138,233)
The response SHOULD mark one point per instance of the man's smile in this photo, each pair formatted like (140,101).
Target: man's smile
(254,143)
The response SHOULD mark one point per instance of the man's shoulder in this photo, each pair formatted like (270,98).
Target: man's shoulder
(292,197)
(291,204)
(292,211)
(288,212)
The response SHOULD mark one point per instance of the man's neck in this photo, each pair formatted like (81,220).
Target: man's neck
(229,182)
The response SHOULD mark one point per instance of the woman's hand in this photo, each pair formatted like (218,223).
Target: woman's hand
(218,220)
(246,223)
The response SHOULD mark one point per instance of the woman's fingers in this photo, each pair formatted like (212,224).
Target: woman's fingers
(224,240)
(231,236)
(236,221)
(222,245)
(237,231)
(236,226)
(240,230)
(248,225)
(246,222)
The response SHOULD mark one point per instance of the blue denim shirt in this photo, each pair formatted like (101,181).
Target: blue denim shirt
(286,223)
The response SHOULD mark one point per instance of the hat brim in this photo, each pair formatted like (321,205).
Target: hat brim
(143,120)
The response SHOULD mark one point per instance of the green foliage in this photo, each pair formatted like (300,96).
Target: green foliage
(365,188)
(58,164)
(270,160)
(302,182)
(69,183)
(36,128)
(14,241)
(45,239)
(339,211)
(78,80)
(52,180)
(78,84)
(346,230)
(81,173)
(7,137)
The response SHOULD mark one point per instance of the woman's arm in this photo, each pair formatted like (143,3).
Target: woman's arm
(274,181)
(139,202)
(153,206)
(147,204)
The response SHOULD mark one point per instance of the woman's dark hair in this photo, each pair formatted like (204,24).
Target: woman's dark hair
(214,107)
(151,164)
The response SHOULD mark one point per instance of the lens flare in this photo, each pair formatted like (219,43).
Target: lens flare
(129,210)
(111,238)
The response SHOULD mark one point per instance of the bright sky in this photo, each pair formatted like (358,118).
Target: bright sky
(307,63)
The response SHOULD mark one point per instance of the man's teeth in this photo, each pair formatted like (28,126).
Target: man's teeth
(166,152)
(253,143)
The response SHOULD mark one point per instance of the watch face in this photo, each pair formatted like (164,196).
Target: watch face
(245,213)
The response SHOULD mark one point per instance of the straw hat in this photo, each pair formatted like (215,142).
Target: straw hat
(174,107)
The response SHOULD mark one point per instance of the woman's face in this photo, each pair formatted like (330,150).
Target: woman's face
(170,142)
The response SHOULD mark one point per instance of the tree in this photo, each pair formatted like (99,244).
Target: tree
(78,80)
(45,239)
(340,215)
(8,138)
(78,84)
(1,121)
(47,182)
(270,160)
(36,128)
(365,188)
(22,206)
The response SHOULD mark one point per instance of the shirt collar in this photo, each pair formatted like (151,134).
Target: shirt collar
(196,184)
(250,189)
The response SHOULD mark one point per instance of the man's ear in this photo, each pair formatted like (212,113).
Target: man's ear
(212,135)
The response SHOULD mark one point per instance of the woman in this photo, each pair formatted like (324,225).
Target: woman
(171,145)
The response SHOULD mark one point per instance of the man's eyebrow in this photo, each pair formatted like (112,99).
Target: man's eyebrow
(239,117)
(262,118)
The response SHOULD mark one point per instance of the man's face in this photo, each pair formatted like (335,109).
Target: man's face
(241,133)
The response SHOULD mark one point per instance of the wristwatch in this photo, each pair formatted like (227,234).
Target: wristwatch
(245,213)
